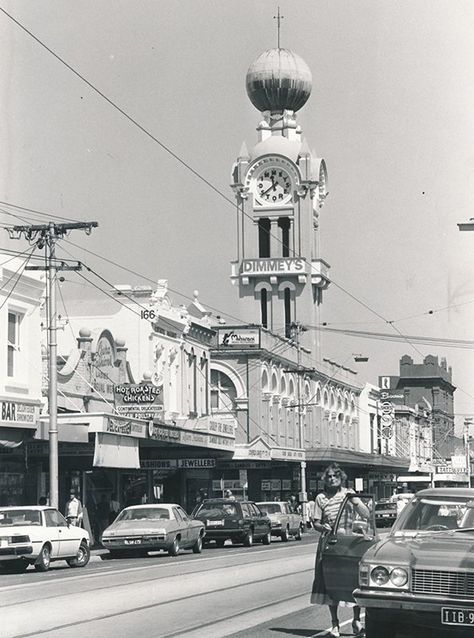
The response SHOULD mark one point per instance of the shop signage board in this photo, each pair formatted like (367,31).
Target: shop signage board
(18,414)
(139,400)
(104,372)
(282,454)
(238,338)
(258,449)
(274,266)
(108,424)
(387,415)
(227,484)
(163,464)
(188,437)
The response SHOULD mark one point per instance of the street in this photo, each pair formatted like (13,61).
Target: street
(261,591)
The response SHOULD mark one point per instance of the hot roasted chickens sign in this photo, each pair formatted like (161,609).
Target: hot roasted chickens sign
(139,400)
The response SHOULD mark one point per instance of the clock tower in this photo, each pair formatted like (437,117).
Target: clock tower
(280,187)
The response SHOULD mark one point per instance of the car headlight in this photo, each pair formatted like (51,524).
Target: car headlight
(399,576)
(387,576)
(379,575)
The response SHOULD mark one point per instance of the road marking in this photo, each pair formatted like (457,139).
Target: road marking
(325,632)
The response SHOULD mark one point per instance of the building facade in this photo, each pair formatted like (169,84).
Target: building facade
(21,296)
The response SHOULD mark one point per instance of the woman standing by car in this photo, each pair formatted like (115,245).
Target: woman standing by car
(326,507)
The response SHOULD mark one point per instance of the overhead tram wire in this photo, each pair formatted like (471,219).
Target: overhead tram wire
(172,153)
(36,212)
(163,146)
(383,336)
(19,271)
(146,278)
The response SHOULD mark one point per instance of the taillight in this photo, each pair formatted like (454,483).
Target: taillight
(19,539)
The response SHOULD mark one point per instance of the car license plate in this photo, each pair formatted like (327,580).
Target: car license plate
(133,541)
(215,523)
(457,616)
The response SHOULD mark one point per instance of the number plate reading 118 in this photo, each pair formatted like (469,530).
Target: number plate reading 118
(456,616)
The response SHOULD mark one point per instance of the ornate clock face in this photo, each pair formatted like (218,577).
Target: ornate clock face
(273,186)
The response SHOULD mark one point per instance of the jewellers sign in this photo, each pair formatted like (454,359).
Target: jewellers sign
(139,401)
(274,266)
(238,338)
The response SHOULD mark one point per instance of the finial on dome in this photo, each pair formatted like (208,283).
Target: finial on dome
(278,18)
(195,294)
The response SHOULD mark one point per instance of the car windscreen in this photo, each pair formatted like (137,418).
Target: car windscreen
(20,517)
(144,513)
(436,514)
(270,508)
(214,509)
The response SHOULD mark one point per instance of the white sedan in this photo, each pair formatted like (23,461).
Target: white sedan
(38,535)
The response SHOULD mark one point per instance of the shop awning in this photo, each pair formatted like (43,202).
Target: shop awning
(352,457)
(14,437)
(113,450)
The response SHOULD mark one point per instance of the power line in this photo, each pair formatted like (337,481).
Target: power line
(135,122)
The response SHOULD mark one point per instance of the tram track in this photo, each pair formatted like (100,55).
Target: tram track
(180,599)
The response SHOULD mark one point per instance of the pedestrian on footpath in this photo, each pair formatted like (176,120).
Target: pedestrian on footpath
(114,508)
(73,512)
(326,508)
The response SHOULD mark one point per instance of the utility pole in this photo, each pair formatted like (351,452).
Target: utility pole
(468,421)
(45,236)
(296,329)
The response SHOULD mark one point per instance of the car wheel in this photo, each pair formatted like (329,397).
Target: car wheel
(82,557)
(44,559)
(173,550)
(285,535)
(220,542)
(267,539)
(248,540)
(197,547)
(375,628)
(299,535)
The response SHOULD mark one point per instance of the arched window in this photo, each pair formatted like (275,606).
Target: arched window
(223,392)
(264,381)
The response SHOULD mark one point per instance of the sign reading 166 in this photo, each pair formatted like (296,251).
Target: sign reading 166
(148,314)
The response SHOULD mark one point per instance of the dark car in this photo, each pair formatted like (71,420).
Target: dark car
(418,576)
(385,513)
(239,521)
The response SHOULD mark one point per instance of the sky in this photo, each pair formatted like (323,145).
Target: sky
(391,111)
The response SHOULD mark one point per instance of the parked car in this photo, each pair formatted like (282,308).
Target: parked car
(385,513)
(241,521)
(401,500)
(140,529)
(38,535)
(284,522)
(419,576)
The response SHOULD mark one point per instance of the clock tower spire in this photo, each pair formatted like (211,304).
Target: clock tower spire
(280,187)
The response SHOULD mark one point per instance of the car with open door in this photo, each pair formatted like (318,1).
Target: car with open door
(420,576)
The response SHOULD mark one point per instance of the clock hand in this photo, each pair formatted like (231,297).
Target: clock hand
(269,189)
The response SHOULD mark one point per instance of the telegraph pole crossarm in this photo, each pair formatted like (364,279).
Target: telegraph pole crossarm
(46,236)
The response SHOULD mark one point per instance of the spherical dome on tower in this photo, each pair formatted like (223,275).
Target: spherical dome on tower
(277,80)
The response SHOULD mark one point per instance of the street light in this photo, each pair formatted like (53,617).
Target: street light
(467,225)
